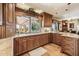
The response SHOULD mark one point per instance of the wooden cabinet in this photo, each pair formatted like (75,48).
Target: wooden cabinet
(9,13)
(20,45)
(25,44)
(9,18)
(69,45)
(2,32)
(1,13)
(31,44)
(23,47)
(7,28)
(2,26)
(36,41)
(47,18)
(16,46)
(22,12)
(44,39)
(56,38)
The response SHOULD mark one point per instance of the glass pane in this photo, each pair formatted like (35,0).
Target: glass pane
(35,24)
(22,25)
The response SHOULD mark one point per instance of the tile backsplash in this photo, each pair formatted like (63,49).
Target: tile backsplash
(46,29)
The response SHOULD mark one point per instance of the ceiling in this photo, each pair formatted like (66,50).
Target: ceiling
(57,9)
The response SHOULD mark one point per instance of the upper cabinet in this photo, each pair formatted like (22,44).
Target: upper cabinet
(2,32)
(9,13)
(9,19)
(1,14)
(47,18)
(23,12)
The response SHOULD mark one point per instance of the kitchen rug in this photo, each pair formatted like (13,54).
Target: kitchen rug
(37,52)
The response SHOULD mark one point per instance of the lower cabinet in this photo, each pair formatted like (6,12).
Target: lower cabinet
(70,46)
(20,45)
(30,43)
(44,39)
(35,41)
(56,38)
(25,44)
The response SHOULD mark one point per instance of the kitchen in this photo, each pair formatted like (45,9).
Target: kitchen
(39,29)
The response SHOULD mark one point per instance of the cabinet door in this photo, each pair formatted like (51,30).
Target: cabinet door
(50,37)
(46,39)
(69,45)
(40,40)
(16,46)
(23,47)
(9,17)
(30,43)
(57,38)
(10,13)
(2,32)
(20,45)
(43,39)
(36,41)
(47,19)
(54,38)
(1,13)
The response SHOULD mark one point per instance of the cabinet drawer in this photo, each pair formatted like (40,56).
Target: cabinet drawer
(71,46)
(67,40)
(68,45)
(57,39)
(69,51)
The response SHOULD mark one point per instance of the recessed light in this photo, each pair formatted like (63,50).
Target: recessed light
(68,3)
(23,3)
(56,13)
(66,9)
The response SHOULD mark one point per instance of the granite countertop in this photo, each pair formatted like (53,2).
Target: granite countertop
(70,35)
(30,34)
(62,34)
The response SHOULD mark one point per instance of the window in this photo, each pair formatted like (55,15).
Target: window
(27,24)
